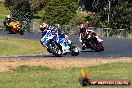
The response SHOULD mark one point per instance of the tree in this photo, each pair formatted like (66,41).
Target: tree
(59,11)
(20,9)
(37,5)
(121,15)
(120,12)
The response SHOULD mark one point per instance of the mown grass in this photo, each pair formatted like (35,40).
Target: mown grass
(44,77)
(17,46)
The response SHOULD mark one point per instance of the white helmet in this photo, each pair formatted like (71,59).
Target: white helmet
(8,16)
(44,25)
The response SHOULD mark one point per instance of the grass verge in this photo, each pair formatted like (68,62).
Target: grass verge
(13,46)
(44,77)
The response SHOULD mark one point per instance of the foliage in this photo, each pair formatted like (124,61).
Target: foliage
(59,11)
(121,15)
(38,5)
(64,12)
(79,18)
(120,12)
(8,3)
(22,9)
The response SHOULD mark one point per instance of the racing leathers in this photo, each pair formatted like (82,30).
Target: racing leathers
(55,30)
(83,34)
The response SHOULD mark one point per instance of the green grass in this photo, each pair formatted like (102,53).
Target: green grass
(13,46)
(44,77)
(3,11)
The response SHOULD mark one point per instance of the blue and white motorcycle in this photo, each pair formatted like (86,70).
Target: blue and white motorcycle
(57,44)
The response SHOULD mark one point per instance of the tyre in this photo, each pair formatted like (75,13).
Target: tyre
(94,45)
(21,32)
(48,50)
(74,51)
(54,49)
(101,47)
(10,30)
(83,47)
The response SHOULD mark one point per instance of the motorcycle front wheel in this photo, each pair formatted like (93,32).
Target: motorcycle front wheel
(74,51)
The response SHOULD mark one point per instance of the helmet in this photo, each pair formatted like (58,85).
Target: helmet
(8,16)
(53,30)
(43,26)
(82,26)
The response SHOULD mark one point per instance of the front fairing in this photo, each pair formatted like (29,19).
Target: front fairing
(46,35)
(56,39)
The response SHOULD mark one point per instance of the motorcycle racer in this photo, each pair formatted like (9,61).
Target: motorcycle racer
(86,33)
(44,27)
(64,45)
(8,19)
(83,32)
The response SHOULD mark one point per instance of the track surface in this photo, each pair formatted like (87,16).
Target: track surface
(114,47)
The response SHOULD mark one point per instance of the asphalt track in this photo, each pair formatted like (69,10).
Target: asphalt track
(114,47)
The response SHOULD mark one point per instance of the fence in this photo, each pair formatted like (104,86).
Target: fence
(109,32)
(26,26)
(103,32)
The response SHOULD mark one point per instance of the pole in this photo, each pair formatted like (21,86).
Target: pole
(109,12)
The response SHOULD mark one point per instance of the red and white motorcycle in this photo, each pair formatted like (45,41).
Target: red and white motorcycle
(92,41)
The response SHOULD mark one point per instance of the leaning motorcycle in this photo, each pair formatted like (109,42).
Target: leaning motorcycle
(15,27)
(57,44)
(90,41)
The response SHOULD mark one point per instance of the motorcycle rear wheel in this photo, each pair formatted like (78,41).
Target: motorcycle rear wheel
(101,47)
(21,32)
(94,46)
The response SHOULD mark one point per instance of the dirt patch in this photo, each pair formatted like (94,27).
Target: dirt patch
(7,64)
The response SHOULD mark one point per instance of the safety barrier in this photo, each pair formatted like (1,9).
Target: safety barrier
(103,32)
(26,26)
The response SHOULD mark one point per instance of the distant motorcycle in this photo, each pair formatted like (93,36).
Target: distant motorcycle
(90,41)
(15,27)
(57,44)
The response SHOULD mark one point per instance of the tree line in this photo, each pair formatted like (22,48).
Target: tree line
(66,11)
